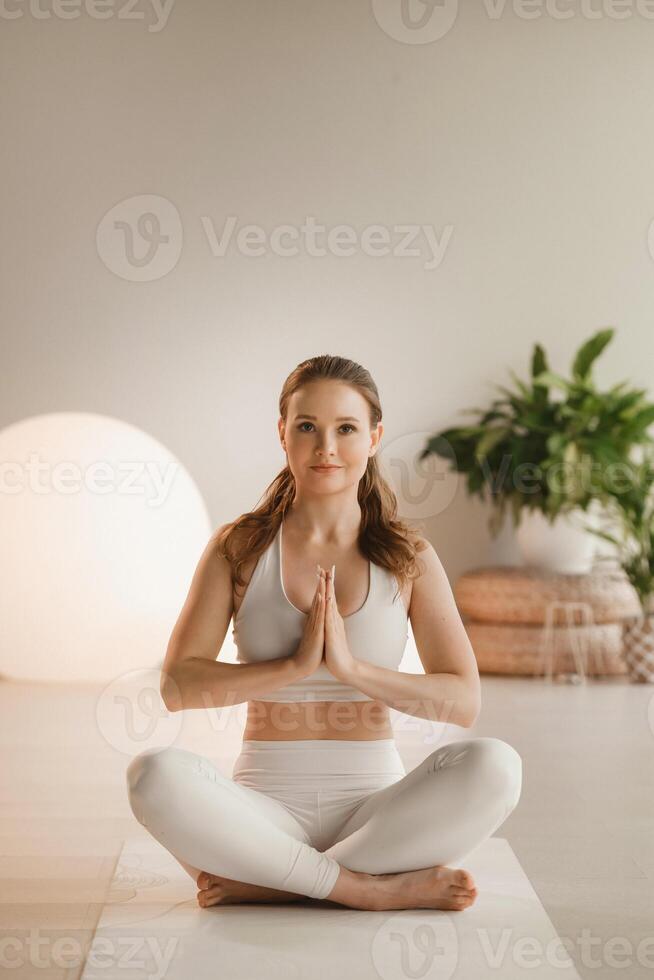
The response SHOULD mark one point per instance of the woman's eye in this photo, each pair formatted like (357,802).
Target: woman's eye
(346,425)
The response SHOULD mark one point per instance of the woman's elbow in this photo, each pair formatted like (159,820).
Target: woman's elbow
(170,691)
(474,709)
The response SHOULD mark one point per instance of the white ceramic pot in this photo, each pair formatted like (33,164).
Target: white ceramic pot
(564,545)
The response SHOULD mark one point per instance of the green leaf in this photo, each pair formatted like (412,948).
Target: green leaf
(490,439)
(511,395)
(641,420)
(589,351)
(551,380)
(556,443)
(618,388)
(492,416)
(624,405)
(538,361)
(522,387)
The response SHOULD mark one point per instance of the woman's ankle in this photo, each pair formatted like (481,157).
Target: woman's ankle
(352,888)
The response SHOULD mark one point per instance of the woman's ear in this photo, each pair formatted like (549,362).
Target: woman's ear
(379,431)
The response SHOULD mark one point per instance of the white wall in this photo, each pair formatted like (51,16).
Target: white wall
(532,138)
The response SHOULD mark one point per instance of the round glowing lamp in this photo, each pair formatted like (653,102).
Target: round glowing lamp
(101,529)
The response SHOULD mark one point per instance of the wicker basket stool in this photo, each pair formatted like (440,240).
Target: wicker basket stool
(521,620)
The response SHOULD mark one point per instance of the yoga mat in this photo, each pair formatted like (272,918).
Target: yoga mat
(152,927)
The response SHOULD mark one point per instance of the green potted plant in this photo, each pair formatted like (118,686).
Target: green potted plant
(630,513)
(542,450)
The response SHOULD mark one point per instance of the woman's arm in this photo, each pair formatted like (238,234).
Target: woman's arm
(191,676)
(201,683)
(445,697)
(450,689)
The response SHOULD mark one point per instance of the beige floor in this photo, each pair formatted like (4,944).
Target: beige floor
(583,830)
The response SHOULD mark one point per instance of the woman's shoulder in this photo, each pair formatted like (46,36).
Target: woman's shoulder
(426,551)
(422,543)
(238,554)
(234,529)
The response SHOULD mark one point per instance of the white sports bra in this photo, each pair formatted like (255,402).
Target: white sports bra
(268,626)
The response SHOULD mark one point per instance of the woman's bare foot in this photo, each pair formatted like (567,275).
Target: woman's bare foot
(438,887)
(216,890)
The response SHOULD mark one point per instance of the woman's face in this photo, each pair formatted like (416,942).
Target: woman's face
(338,432)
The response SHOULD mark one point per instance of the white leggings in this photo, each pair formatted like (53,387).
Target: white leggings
(293,812)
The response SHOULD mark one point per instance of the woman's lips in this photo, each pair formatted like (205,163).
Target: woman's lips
(325,469)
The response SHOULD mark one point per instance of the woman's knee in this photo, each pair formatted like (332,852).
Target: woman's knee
(149,776)
(500,766)
(494,765)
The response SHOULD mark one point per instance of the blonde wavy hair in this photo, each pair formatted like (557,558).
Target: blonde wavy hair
(386,540)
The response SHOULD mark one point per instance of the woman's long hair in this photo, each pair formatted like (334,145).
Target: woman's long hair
(383,538)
